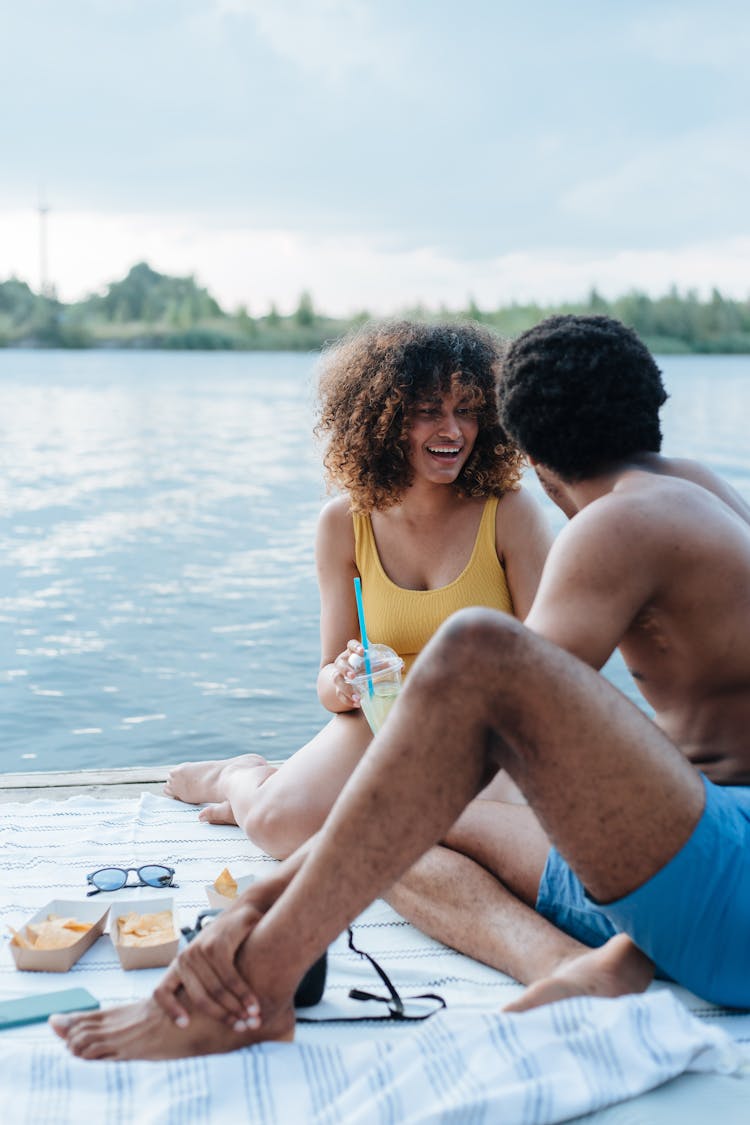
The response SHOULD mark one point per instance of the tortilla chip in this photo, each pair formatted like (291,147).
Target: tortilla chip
(19,938)
(70,923)
(225,885)
(55,933)
(146,929)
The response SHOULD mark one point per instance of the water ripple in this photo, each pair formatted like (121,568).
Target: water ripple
(157,515)
(151,505)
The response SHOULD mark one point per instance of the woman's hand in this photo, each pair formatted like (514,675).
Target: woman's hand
(344,667)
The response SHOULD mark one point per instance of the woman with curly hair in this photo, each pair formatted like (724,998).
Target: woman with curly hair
(431,516)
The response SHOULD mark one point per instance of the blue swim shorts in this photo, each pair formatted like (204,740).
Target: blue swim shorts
(692,918)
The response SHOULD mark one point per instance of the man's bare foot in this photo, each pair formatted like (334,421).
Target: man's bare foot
(196,783)
(144,1031)
(613,969)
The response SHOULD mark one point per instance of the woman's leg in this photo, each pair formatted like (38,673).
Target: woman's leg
(209,783)
(278,807)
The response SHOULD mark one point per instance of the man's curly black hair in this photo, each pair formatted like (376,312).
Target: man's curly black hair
(580,393)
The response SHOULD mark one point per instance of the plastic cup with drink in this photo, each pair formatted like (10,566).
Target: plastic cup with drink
(377,681)
(377,674)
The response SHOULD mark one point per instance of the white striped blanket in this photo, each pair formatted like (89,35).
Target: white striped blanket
(467,1064)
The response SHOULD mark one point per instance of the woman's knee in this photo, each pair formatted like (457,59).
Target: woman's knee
(266,820)
(278,822)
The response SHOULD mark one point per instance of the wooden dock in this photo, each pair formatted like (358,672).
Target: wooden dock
(60,784)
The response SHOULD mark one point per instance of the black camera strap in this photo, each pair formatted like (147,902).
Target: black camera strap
(311,988)
(394,1002)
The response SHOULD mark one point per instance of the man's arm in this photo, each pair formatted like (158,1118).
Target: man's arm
(602,570)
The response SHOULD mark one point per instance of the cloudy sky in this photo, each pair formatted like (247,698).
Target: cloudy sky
(378,152)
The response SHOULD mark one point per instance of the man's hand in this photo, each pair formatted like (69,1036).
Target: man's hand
(206,974)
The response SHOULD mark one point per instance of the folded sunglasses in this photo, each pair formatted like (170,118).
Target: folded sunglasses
(115,878)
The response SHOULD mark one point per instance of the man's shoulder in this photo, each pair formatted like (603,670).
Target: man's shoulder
(600,541)
(681,486)
(654,512)
(693,473)
(609,534)
(621,509)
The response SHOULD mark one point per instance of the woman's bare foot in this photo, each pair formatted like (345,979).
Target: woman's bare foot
(613,969)
(196,783)
(221,813)
(144,1031)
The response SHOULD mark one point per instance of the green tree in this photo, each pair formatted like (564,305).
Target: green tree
(245,323)
(147,296)
(305,313)
(17,301)
(596,303)
(473,310)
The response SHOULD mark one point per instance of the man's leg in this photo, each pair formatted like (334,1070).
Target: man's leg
(444,894)
(609,789)
(453,899)
(480,900)
(477,894)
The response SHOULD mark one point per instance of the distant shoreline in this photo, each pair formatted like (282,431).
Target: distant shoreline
(655,346)
(147,310)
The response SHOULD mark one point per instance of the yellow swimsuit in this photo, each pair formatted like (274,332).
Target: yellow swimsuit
(406,619)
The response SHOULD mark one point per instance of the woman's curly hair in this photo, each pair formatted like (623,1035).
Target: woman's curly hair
(580,393)
(370,383)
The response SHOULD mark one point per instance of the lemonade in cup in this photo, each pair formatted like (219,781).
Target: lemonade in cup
(377,681)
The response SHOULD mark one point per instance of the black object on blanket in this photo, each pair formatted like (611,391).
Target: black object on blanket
(312,986)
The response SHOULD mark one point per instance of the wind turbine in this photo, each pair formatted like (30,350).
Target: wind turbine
(43,211)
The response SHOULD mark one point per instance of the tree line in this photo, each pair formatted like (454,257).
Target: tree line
(147,309)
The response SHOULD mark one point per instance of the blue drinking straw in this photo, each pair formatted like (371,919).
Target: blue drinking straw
(363,631)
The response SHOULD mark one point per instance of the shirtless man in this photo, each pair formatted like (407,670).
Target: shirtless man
(652,818)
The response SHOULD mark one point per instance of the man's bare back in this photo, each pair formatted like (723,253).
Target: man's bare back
(673,540)
(698,678)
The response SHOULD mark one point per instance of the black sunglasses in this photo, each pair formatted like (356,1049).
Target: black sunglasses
(115,878)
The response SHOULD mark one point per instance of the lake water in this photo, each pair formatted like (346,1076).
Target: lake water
(158,600)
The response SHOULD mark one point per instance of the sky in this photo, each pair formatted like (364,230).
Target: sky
(378,153)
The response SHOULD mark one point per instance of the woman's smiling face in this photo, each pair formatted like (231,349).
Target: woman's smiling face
(442,435)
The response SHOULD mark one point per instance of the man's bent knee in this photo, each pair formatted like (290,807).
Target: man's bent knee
(476,625)
(478,654)
(479,637)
